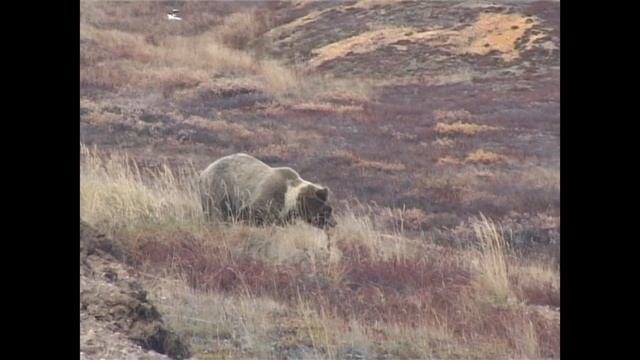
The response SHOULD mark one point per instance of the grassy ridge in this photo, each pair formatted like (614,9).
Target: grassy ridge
(432,114)
(365,288)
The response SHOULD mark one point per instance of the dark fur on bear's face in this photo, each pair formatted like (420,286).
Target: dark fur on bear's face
(314,209)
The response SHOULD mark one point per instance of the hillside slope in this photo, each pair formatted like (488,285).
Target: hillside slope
(434,123)
(448,107)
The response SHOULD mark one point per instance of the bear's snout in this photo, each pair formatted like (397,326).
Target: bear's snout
(331,222)
(325,219)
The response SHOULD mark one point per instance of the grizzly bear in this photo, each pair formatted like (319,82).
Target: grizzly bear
(240,187)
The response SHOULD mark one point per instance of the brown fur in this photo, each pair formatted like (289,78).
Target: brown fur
(241,187)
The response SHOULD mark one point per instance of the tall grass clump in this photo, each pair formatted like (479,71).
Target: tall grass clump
(116,195)
(491,264)
(361,233)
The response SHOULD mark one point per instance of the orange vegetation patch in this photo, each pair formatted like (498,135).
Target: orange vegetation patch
(366,42)
(479,156)
(484,157)
(489,32)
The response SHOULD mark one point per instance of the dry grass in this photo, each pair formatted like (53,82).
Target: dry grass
(133,62)
(365,164)
(366,287)
(291,245)
(240,28)
(236,132)
(489,32)
(381,284)
(462,128)
(223,326)
(450,116)
(381,165)
(492,264)
(481,156)
(115,196)
(277,151)
(449,160)
(526,340)
(149,17)
(215,323)
(368,4)
(441,142)
(316,106)
(495,32)
(367,42)
(297,22)
(536,282)
(360,235)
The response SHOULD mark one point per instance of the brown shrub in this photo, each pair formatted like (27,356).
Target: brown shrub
(481,156)
(240,28)
(450,116)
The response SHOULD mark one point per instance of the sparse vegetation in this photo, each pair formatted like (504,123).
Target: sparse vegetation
(248,291)
(418,125)
(462,128)
(128,62)
(484,157)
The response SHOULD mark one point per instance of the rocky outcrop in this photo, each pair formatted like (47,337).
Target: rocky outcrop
(113,302)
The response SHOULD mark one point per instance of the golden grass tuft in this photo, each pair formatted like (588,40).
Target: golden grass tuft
(115,196)
(324,106)
(381,165)
(449,116)
(481,156)
(491,264)
(462,128)
(369,233)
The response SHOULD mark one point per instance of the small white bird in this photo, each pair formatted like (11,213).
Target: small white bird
(173,15)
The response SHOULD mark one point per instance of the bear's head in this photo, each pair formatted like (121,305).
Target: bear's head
(313,206)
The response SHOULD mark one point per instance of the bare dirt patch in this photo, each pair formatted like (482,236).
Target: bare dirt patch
(114,306)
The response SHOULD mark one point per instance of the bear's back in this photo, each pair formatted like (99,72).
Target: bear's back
(239,171)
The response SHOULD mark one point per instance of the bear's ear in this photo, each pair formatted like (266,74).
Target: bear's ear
(322,194)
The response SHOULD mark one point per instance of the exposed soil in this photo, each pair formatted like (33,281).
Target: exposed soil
(117,321)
